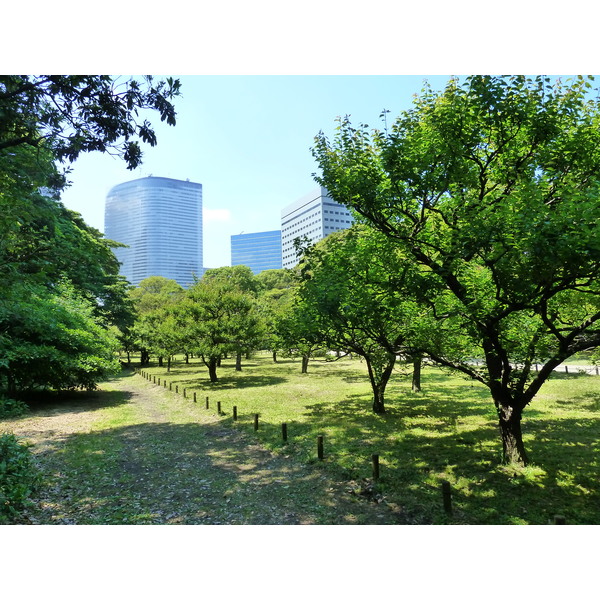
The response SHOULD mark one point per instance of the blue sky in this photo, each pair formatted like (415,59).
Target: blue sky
(247,140)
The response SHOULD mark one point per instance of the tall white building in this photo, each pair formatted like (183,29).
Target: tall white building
(315,216)
(160,220)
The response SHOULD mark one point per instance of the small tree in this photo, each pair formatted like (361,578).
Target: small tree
(346,295)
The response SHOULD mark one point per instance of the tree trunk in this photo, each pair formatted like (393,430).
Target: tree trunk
(212,369)
(160,361)
(513,449)
(128,358)
(416,377)
(274,357)
(305,363)
(379,383)
(238,361)
(187,359)
(169,363)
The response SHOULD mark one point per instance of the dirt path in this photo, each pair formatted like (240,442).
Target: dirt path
(132,453)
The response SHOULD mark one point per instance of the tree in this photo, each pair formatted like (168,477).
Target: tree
(71,114)
(347,290)
(492,187)
(216,318)
(153,300)
(276,289)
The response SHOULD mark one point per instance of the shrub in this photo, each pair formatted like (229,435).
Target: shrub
(18,477)
(12,408)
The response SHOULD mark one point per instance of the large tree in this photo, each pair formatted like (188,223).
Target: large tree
(492,186)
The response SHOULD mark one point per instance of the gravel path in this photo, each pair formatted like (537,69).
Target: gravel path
(133,453)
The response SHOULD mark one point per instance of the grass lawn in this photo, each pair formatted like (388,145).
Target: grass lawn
(447,432)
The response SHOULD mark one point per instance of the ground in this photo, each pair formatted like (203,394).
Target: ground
(133,453)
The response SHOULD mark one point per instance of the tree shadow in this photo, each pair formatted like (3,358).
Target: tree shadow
(42,403)
(156,473)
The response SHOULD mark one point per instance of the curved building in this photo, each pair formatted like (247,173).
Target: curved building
(160,220)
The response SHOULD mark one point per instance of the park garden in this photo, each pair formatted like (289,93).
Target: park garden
(428,335)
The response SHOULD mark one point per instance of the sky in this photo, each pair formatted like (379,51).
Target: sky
(247,139)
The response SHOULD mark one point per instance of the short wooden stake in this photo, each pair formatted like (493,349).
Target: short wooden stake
(219,407)
(235,413)
(207,402)
(320,447)
(375,467)
(447,497)
(177,389)
(154,379)
(256,422)
(158,381)
(284,431)
(184,394)
(560,520)
(566,368)
(165,382)
(170,385)
(194,396)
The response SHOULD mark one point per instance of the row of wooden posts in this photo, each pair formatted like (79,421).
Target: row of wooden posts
(446,487)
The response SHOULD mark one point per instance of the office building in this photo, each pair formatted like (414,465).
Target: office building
(160,220)
(259,251)
(315,216)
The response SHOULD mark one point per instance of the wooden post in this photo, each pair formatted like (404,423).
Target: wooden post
(447,497)
(206,402)
(170,385)
(560,520)
(284,431)
(177,389)
(256,422)
(184,394)
(375,467)
(158,381)
(165,382)
(320,447)
(566,368)
(219,407)
(154,379)
(235,413)
(194,396)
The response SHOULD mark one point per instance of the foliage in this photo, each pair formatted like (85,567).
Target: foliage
(19,477)
(492,188)
(219,315)
(356,294)
(71,114)
(9,408)
(51,338)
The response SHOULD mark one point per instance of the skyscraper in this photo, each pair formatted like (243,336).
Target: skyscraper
(160,219)
(259,251)
(315,216)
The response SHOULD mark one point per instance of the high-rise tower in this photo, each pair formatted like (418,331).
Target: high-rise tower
(160,220)
(314,216)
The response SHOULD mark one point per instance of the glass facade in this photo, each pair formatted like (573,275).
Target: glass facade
(160,220)
(259,251)
(315,216)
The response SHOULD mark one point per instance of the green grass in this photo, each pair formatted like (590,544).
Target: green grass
(446,432)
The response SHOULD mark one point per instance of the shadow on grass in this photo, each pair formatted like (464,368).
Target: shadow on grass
(186,474)
(42,403)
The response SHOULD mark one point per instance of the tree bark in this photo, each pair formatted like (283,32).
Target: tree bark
(513,449)
(305,363)
(212,369)
(160,361)
(274,357)
(169,364)
(416,377)
(379,383)
(238,361)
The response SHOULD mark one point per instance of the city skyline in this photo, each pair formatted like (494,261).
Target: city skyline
(247,139)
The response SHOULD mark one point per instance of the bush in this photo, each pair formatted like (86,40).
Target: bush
(18,477)
(12,408)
